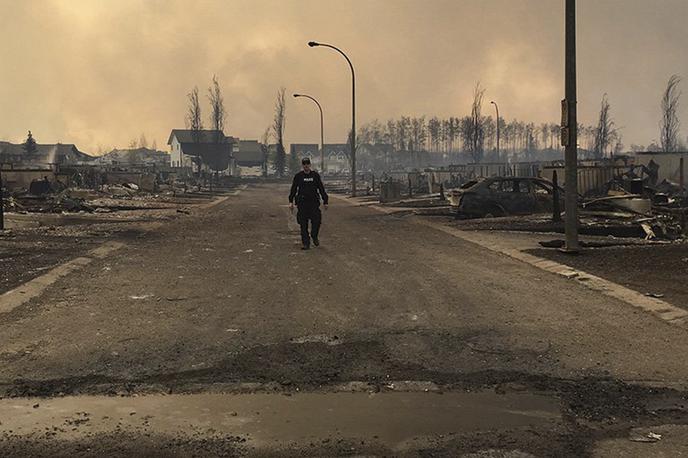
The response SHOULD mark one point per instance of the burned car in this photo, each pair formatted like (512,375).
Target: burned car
(504,196)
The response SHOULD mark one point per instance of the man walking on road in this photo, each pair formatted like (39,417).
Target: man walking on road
(304,191)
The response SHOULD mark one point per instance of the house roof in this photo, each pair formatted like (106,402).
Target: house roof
(303,148)
(250,153)
(205,136)
(62,153)
(336,148)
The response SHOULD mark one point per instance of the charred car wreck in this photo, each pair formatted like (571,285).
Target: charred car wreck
(505,196)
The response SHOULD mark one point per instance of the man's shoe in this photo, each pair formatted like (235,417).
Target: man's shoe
(306,247)
(316,242)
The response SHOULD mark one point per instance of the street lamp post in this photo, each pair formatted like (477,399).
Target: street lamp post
(497,108)
(353,112)
(322,131)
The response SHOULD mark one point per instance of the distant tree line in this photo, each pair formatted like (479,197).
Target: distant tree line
(476,134)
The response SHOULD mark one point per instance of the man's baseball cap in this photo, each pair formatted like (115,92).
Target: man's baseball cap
(305,161)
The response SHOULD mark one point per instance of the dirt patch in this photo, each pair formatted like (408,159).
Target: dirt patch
(37,242)
(29,252)
(658,270)
(119,444)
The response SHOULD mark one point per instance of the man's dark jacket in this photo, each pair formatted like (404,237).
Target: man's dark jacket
(305,189)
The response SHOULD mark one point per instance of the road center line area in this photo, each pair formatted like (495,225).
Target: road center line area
(214,334)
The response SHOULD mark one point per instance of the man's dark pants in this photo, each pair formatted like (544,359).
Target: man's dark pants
(310,213)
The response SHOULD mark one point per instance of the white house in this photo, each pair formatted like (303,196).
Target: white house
(211,148)
(337,158)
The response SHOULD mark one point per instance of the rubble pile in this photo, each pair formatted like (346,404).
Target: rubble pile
(52,203)
(50,198)
(659,211)
(43,199)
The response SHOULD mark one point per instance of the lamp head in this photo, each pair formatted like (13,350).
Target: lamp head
(313,43)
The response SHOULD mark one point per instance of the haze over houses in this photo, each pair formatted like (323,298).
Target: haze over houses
(44,155)
(336,155)
(133,156)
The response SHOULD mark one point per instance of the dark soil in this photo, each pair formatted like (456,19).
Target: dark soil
(544,223)
(30,252)
(651,269)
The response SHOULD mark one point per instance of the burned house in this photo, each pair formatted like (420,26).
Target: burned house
(669,166)
(135,157)
(50,163)
(45,156)
(377,156)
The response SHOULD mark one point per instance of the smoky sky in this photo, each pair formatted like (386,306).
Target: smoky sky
(99,73)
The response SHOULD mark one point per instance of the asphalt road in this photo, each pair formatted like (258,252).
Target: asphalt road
(225,302)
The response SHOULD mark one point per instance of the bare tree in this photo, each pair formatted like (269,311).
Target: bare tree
(402,130)
(143,142)
(418,133)
(265,149)
(278,131)
(391,136)
(605,132)
(476,133)
(218,114)
(670,123)
(194,121)
(434,127)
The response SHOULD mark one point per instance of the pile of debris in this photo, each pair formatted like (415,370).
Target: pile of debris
(659,211)
(122,191)
(54,203)
(46,197)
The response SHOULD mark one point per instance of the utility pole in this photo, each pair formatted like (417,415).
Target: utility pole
(569,136)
